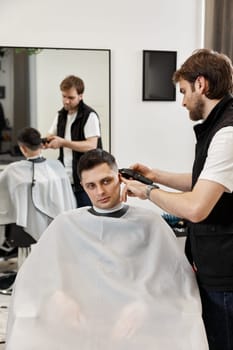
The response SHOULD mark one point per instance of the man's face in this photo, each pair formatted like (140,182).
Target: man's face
(192,100)
(102,185)
(71,99)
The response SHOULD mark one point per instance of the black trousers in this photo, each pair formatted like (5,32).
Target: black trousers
(82,198)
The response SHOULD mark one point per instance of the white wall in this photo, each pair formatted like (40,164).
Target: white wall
(156,133)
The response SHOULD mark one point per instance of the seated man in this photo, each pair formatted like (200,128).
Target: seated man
(106,277)
(35,190)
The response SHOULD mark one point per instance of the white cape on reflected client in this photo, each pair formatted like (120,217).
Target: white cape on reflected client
(106,283)
(33,201)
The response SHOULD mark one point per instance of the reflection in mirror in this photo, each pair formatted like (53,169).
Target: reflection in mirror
(30,93)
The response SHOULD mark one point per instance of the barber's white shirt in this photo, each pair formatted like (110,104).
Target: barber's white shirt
(219,163)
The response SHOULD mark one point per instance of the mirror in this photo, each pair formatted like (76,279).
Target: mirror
(30,93)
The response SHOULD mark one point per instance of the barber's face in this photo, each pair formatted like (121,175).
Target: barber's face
(102,185)
(71,99)
(192,100)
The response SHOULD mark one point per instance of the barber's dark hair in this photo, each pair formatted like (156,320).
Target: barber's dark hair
(29,137)
(72,82)
(95,157)
(215,67)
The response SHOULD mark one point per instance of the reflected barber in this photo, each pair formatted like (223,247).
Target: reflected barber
(75,130)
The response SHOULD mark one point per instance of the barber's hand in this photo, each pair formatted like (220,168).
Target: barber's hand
(54,142)
(133,188)
(143,170)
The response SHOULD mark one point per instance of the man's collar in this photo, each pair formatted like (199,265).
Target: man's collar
(219,107)
(38,159)
(113,214)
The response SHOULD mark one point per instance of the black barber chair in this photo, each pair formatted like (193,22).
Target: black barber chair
(178,225)
(16,238)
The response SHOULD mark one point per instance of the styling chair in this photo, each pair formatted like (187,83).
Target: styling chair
(16,239)
(178,225)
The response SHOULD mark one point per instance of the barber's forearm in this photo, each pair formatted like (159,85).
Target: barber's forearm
(193,205)
(178,204)
(181,204)
(180,182)
(81,146)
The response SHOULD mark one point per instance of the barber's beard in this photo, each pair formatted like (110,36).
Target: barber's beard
(70,109)
(197,112)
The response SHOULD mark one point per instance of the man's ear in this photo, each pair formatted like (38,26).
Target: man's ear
(201,84)
(23,149)
(119,177)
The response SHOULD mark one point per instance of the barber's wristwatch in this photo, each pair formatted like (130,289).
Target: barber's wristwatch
(149,188)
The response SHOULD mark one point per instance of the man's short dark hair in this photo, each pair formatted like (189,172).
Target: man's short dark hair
(29,137)
(95,157)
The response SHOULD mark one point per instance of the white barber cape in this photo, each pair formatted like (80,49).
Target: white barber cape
(104,283)
(34,207)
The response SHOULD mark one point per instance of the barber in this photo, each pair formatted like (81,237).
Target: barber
(204,198)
